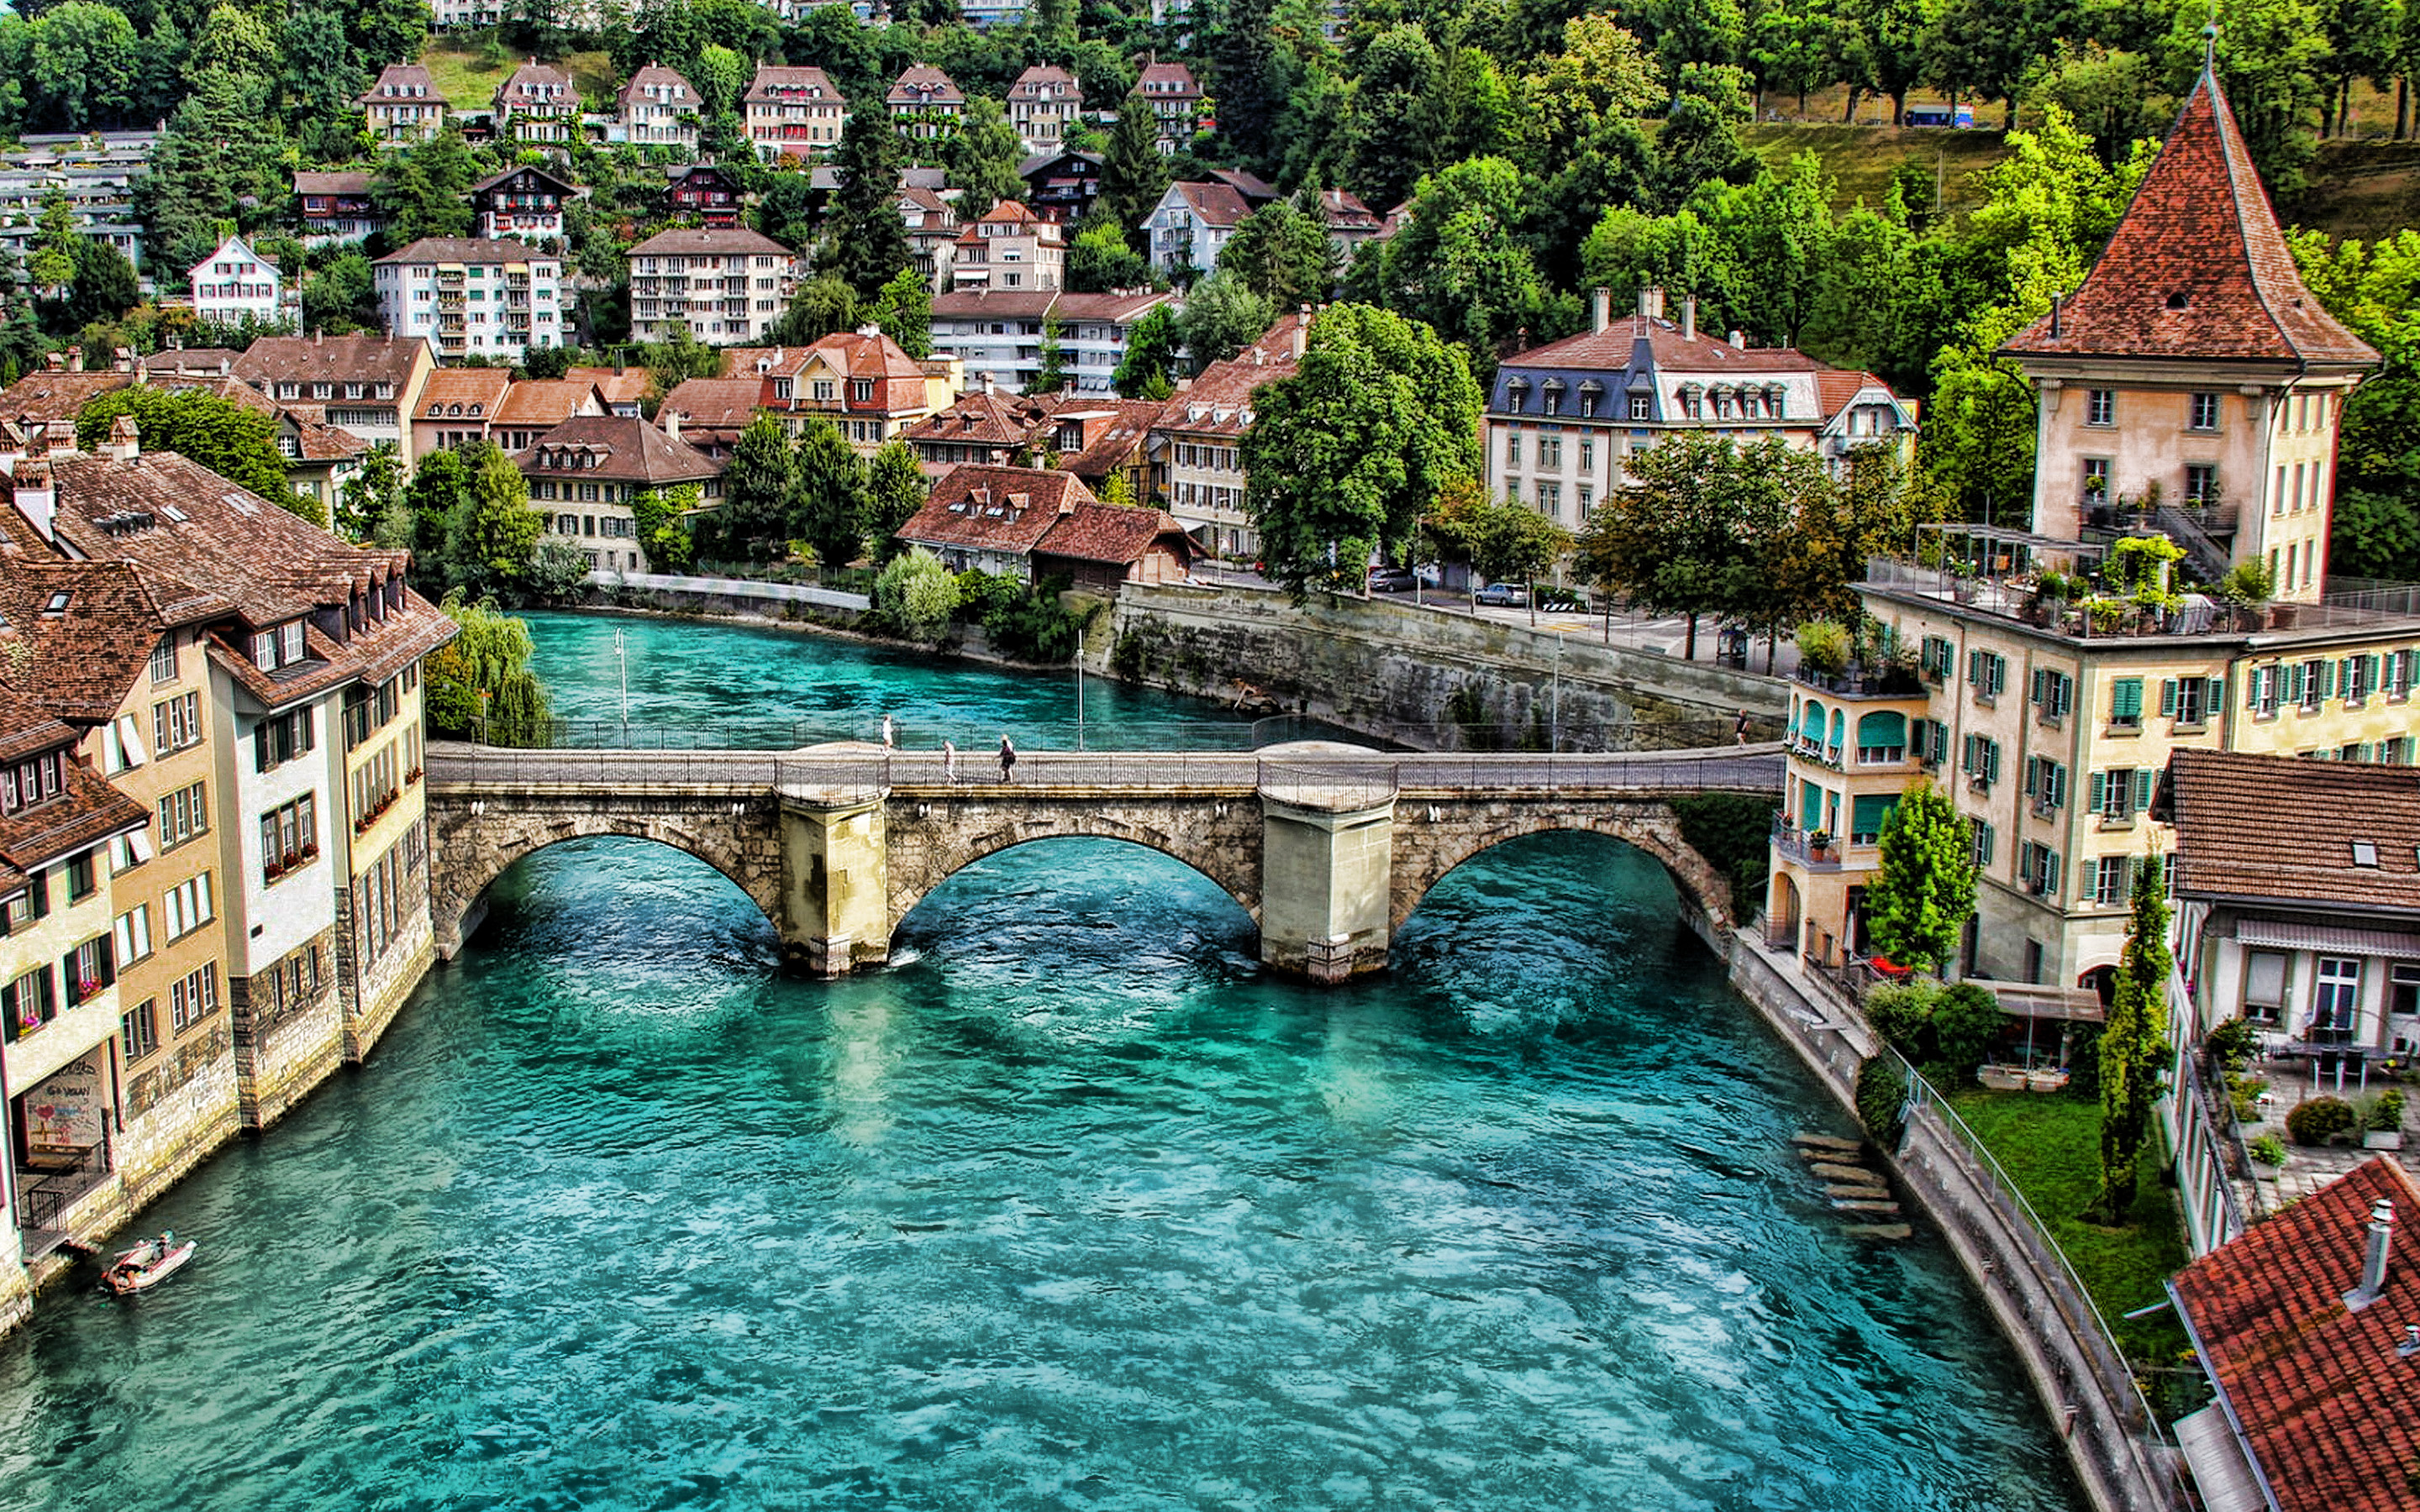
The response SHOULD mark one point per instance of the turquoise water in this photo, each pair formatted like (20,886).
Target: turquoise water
(1069,1208)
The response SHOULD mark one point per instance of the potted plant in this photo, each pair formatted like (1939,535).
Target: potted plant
(1819,845)
(2384,1130)
(1824,647)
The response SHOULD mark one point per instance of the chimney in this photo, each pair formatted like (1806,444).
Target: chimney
(1689,319)
(2379,1236)
(75,359)
(36,500)
(38,437)
(121,360)
(1650,303)
(1739,340)
(125,441)
(672,423)
(1603,301)
(56,362)
(2055,303)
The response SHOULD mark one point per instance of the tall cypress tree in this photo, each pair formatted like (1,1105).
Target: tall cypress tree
(2135,1042)
(869,240)
(1133,174)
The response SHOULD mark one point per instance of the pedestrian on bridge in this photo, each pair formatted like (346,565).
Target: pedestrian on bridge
(1007,760)
(950,762)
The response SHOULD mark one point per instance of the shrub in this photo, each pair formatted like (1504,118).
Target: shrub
(2243,1096)
(915,594)
(2386,1113)
(1899,1012)
(2268,1150)
(1881,1099)
(1824,645)
(2318,1120)
(1967,1024)
(2231,1044)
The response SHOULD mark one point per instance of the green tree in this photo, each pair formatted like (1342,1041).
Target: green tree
(1702,527)
(661,523)
(492,533)
(485,672)
(1221,318)
(1503,542)
(2374,288)
(904,308)
(425,189)
(1601,73)
(818,307)
(916,594)
(1099,261)
(1391,130)
(1345,455)
(1460,264)
(240,444)
(1054,374)
(828,502)
(439,490)
(366,499)
(984,159)
(721,76)
(1923,889)
(753,521)
(1147,370)
(896,488)
(2135,1040)
(1282,254)
(869,240)
(51,266)
(1133,174)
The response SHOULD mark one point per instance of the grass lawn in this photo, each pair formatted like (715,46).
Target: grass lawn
(2050,1146)
(1862,159)
(468,73)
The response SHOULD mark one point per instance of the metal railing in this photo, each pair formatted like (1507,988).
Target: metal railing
(2078,1318)
(47,1192)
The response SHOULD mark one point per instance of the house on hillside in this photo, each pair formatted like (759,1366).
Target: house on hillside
(706,192)
(1175,102)
(524,203)
(1061,187)
(403,106)
(234,285)
(1028,524)
(1196,446)
(658,107)
(1042,104)
(799,112)
(1190,226)
(925,103)
(1009,248)
(537,104)
(458,405)
(584,472)
(335,208)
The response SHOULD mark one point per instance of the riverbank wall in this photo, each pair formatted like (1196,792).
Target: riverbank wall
(1426,677)
(2122,1460)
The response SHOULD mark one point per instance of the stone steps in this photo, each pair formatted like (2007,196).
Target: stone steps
(1851,1187)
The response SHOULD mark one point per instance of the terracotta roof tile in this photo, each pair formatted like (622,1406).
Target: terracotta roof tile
(994,508)
(1612,348)
(396,83)
(618,449)
(707,240)
(310,181)
(774,83)
(482,250)
(715,404)
(627,385)
(484,387)
(921,84)
(86,811)
(2197,267)
(533,403)
(46,396)
(82,659)
(1112,533)
(2229,842)
(1113,428)
(2330,1408)
(655,75)
(305,358)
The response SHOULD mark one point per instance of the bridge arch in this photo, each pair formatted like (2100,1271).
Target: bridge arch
(925,854)
(472,849)
(1426,850)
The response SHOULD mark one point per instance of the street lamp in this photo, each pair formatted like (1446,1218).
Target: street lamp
(622,661)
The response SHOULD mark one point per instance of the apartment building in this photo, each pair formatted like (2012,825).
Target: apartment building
(658,107)
(234,285)
(584,472)
(524,204)
(724,286)
(458,405)
(1000,334)
(403,106)
(537,105)
(1044,101)
(1197,445)
(361,384)
(2193,381)
(471,296)
(925,103)
(933,228)
(1191,225)
(1562,418)
(799,112)
(1009,248)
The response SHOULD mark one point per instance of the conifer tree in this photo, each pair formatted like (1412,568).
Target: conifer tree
(2135,1042)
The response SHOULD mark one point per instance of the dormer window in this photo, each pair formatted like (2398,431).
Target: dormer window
(280,645)
(32,780)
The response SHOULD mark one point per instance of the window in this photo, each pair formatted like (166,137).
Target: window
(279,646)
(193,998)
(187,906)
(2333,997)
(1983,839)
(2038,868)
(91,967)
(2357,679)
(163,660)
(2100,406)
(177,722)
(2201,484)
(82,877)
(32,780)
(1866,813)
(289,837)
(2096,482)
(1988,671)
(2204,411)
(2113,878)
(280,738)
(2126,703)
(2189,701)
(29,1002)
(1550,451)
(2045,783)
(1982,759)
(138,1029)
(2264,986)
(1882,737)
(2313,681)
(1588,454)
(132,932)
(2403,987)
(2053,694)
(2265,689)
(2119,794)
(183,814)
(1936,656)
(1641,406)
(1512,449)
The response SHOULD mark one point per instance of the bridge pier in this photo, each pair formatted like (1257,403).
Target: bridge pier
(835,880)
(1327,868)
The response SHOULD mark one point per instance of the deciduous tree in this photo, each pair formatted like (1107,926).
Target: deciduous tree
(1923,892)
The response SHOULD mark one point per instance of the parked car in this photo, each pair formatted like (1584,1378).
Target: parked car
(1391,580)
(1503,595)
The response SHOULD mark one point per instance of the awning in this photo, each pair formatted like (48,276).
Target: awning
(2331,938)
(2034,1000)
(2225,1479)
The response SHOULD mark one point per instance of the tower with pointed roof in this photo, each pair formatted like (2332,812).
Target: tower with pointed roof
(2192,373)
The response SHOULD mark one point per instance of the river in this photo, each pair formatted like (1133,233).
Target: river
(1070,1206)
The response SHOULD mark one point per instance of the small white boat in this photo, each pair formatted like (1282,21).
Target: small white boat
(146,1264)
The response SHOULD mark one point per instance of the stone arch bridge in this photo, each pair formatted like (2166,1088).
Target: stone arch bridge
(1328,847)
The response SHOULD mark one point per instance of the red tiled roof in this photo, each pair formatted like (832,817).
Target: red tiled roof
(1219,400)
(2325,1400)
(44,396)
(1033,80)
(1702,353)
(482,250)
(655,75)
(1113,533)
(86,811)
(620,449)
(404,77)
(715,404)
(483,387)
(707,240)
(535,402)
(627,385)
(919,83)
(357,358)
(774,83)
(1216,203)
(87,656)
(1113,428)
(982,418)
(2197,268)
(994,508)
(2229,842)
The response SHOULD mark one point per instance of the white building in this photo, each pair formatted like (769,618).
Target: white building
(236,284)
(999,333)
(1190,223)
(724,285)
(1042,104)
(657,108)
(471,296)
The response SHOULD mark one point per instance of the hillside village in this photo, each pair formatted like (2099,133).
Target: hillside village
(2091,528)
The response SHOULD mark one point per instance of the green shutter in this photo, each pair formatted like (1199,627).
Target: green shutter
(2167,698)
(2216,701)
(2126,699)
(2100,792)
(2143,776)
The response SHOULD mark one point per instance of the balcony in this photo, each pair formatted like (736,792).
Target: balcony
(1815,850)
(1891,679)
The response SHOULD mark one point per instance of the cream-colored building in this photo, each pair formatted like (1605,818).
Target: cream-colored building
(2193,379)
(795,111)
(404,106)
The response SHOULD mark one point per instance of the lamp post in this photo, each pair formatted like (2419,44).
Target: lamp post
(622,663)
(1079,701)
(1555,702)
